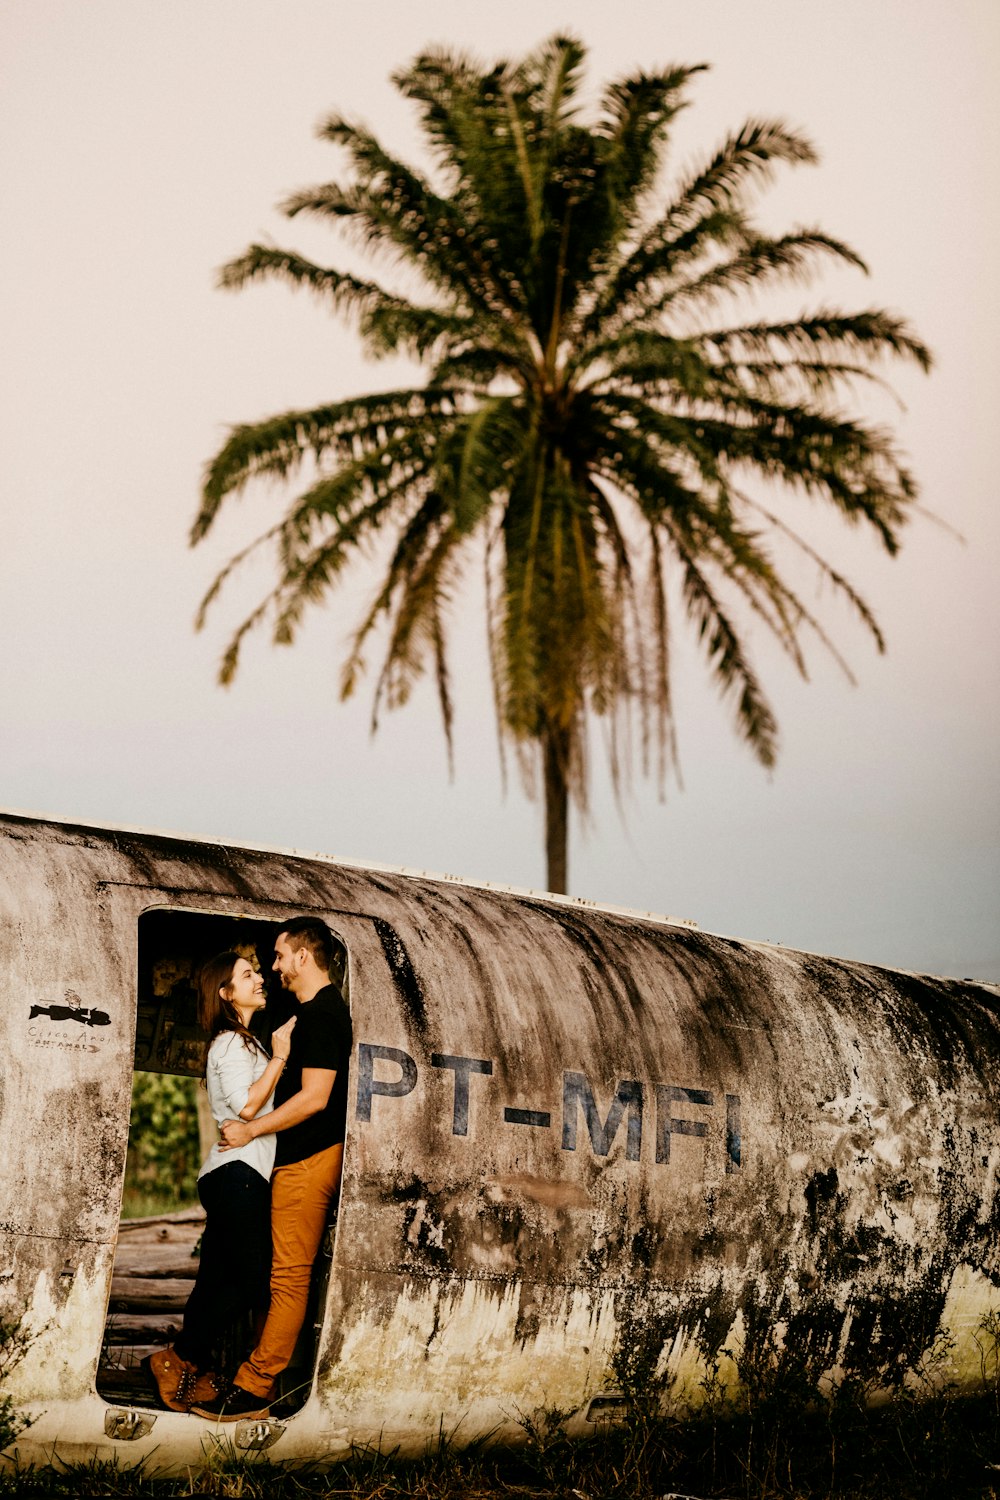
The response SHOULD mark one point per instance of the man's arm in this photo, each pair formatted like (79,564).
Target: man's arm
(317,1084)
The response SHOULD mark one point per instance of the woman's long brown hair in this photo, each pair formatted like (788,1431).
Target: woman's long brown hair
(215,1012)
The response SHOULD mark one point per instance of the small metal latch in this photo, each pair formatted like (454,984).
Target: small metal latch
(128,1424)
(254,1434)
(610,1407)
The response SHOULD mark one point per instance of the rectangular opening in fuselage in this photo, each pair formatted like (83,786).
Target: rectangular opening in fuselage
(171,1131)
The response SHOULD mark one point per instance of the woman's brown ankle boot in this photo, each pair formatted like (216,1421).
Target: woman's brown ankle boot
(173,1377)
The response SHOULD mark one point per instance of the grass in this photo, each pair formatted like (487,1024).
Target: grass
(143,1203)
(780,1436)
(939,1447)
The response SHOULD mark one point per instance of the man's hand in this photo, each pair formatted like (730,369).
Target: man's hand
(234,1133)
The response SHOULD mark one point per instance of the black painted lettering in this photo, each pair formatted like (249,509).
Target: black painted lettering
(462,1067)
(368,1085)
(666,1125)
(578,1093)
(539,1117)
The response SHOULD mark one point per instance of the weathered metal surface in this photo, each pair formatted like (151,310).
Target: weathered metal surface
(584,1148)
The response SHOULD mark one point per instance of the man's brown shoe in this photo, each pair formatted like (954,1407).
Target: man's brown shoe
(233,1405)
(173,1377)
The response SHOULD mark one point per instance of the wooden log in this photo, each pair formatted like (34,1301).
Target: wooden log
(154,1329)
(126,1357)
(182,1228)
(151,1221)
(143,1294)
(126,1384)
(156,1260)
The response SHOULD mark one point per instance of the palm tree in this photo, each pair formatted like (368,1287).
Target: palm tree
(592,417)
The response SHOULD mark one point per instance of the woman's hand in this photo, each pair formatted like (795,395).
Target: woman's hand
(259,1092)
(281,1040)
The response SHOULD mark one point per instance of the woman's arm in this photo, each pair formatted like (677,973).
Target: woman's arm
(317,1086)
(231,1061)
(258,1093)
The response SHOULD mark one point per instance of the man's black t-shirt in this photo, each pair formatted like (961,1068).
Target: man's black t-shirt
(321,1038)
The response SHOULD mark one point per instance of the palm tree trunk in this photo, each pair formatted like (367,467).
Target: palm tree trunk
(555,751)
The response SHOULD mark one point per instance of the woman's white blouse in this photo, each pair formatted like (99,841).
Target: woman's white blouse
(233,1065)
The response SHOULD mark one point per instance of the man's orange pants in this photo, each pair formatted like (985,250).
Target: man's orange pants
(300,1200)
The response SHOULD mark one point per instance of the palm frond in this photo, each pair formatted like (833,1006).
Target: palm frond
(789,380)
(755,719)
(396,208)
(641,359)
(224,574)
(478,368)
(868,335)
(342,291)
(550,78)
(277,447)
(749,157)
(663,696)
(657,448)
(712,199)
(384,474)
(410,545)
(417,630)
(308,574)
(840,584)
(631,287)
(480,457)
(453,92)
(635,113)
(431,333)
(229,664)
(854,466)
(791,256)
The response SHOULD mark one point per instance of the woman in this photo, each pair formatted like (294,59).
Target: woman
(234,1185)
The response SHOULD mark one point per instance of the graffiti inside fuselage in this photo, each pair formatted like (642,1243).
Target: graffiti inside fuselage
(632,1104)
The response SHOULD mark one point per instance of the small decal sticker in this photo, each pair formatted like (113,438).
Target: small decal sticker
(73,1010)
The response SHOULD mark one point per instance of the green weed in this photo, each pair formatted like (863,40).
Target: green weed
(14,1341)
(780,1435)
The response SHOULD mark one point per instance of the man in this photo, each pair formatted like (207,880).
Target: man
(310,1106)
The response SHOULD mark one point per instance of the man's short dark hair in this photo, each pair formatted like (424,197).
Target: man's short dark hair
(311,933)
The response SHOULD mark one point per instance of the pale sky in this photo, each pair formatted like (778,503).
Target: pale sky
(143,143)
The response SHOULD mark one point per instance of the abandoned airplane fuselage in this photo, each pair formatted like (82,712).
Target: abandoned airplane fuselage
(585,1149)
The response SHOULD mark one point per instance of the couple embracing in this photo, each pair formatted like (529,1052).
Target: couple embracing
(267,1185)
